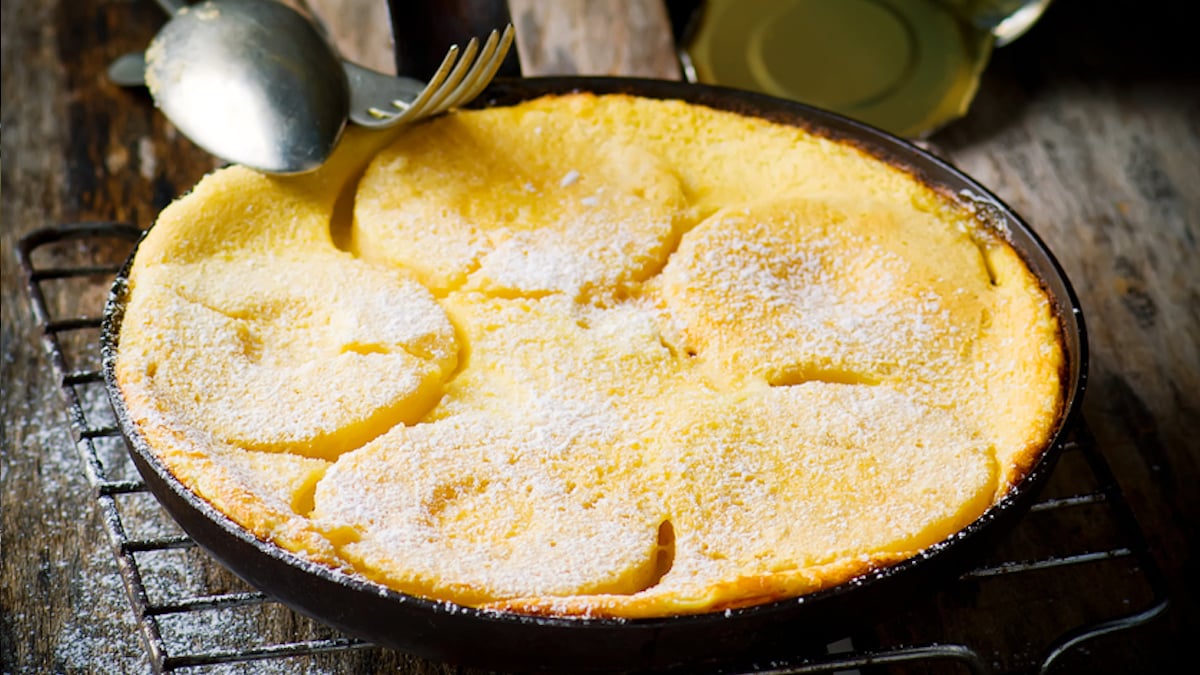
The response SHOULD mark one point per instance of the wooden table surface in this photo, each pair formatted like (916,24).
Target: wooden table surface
(1089,126)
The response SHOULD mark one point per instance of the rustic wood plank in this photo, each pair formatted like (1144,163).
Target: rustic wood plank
(579,37)
(361,29)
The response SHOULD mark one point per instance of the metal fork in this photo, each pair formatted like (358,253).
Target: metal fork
(378,101)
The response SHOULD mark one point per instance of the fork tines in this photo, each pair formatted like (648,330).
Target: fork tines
(457,80)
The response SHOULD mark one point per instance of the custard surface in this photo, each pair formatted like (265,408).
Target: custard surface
(590,355)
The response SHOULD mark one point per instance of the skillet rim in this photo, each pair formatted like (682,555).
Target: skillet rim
(214,530)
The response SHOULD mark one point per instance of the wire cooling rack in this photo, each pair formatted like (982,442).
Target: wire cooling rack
(187,608)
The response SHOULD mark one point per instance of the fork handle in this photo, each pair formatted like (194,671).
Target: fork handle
(423,29)
(362,90)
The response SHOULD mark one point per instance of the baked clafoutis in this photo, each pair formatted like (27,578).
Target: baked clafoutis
(590,355)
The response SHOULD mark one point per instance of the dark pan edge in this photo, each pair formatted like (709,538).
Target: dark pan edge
(504,641)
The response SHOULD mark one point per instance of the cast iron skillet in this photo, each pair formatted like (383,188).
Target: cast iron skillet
(736,638)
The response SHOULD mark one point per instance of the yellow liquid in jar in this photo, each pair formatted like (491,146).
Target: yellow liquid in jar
(906,66)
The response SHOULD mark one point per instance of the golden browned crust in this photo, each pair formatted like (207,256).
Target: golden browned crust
(590,355)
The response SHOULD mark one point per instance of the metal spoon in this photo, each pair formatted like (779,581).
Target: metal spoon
(250,81)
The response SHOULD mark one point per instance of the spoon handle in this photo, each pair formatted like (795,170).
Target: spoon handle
(128,70)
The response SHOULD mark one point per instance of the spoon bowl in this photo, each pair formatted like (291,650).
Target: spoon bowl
(250,81)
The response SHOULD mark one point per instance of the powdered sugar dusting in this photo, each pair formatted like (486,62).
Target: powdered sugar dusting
(795,398)
(275,338)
